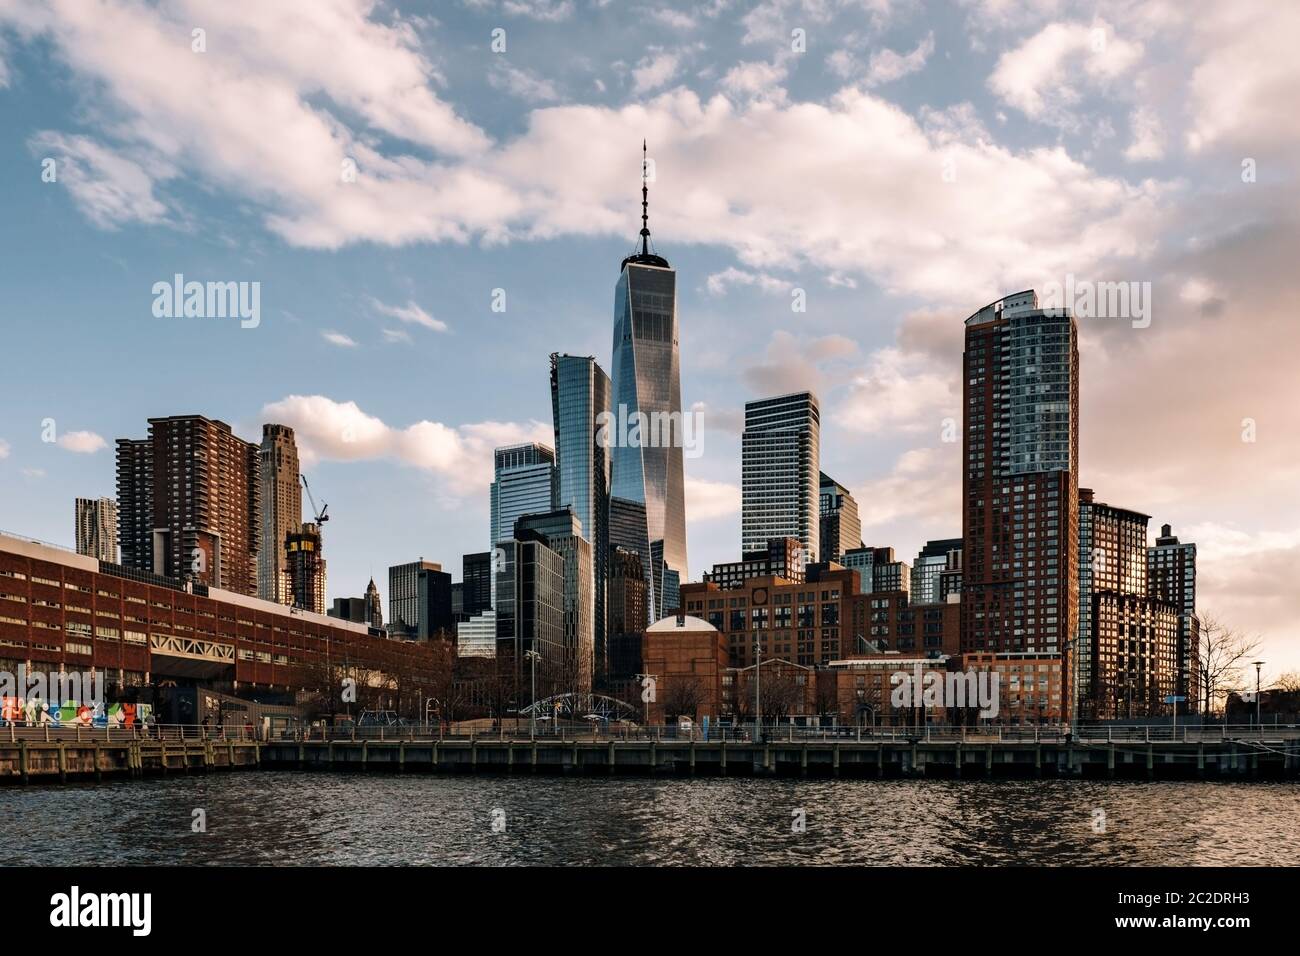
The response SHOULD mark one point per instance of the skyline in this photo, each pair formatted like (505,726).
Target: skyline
(1162,407)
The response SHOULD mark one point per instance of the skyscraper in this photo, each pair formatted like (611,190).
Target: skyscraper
(1171,577)
(841,528)
(524,484)
(579,398)
(97,528)
(188,503)
(304,564)
(780,477)
(281,500)
(1020,486)
(563,535)
(646,386)
(404,593)
(476,576)
(374,607)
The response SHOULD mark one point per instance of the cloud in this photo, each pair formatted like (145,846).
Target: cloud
(111,189)
(654,71)
(887,66)
(1041,77)
(338,338)
(794,363)
(396,335)
(4,449)
(1148,136)
(81,442)
(34,473)
(755,80)
(410,313)
(720,282)
(550,11)
(708,500)
(459,457)
(900,391)
(523,83)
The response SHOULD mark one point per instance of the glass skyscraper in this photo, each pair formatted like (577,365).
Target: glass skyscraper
(524,485)
(780,474)
(646,386)
(579,395)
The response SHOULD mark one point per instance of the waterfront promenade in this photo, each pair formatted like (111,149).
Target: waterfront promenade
(1191,752)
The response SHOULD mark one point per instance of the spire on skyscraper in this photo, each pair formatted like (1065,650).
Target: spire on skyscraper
(645,257)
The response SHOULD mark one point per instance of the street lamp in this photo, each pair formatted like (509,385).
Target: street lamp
(758,684)
(1258,665)
(532,655)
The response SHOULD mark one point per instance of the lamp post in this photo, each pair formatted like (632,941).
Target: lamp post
(531,655)
(1258,665)
(758,684)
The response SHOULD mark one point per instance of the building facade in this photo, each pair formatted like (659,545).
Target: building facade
(524,483)
(1020,581)
(1171,578)
(580,396)
(780,473)
(281,504)
(647,475)
(878,570)
(931,561)
(404,592)
(841,528)
(97,528)
(189,503)
(561,530)
(304,562)
(782,558)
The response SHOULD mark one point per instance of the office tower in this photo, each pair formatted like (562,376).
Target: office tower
(404,593)
(579,406)
(433,600)
(841,528)
(646,386)
(1171,578)
(188,503)
(305,567)
(1112,560)
(476,577)
(524,484)
(1020,489)
(374,607)
(931,561)
(627,593)
(782,558)
(780,478)
(878,570)
(530,614)
(349,609)
(97,528)
(563,534)
(281,500)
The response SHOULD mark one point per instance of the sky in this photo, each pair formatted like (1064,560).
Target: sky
(839,183)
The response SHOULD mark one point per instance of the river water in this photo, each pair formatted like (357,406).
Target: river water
(286,817)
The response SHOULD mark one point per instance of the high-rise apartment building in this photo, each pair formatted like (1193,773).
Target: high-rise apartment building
(780,473)
(782,558)
(931,561)
(878,570)
(304,564)
(524,484)
(563,534)
(580,394)
(1020,489)
(841,528)
(281,502)
(404,593)
(97,528)
(1171,578)
(188,503)
(645,382)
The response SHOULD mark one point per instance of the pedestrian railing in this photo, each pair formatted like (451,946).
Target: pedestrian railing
(23,730)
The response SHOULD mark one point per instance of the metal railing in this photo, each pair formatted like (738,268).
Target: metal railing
(14,731)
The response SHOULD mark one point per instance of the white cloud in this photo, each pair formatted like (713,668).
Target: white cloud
(4,448)
(1148,136)
(902,391)
(755,80)
(707,500)
(396,335)
(546,10)
(887,66)
(411,314)
(1041,77)
(460,457)
(111,189)
(719,283)
(654,71)
(82,442)
(339,339)
(523,83)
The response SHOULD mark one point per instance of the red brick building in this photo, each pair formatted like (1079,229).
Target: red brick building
(686,659)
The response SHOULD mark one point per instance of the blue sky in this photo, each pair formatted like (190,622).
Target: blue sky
(902,163)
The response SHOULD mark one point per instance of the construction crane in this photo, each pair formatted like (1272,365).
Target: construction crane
(321,516)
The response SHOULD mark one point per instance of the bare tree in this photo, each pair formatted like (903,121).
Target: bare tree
(1223,652)
(1288,683)
(682,696)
